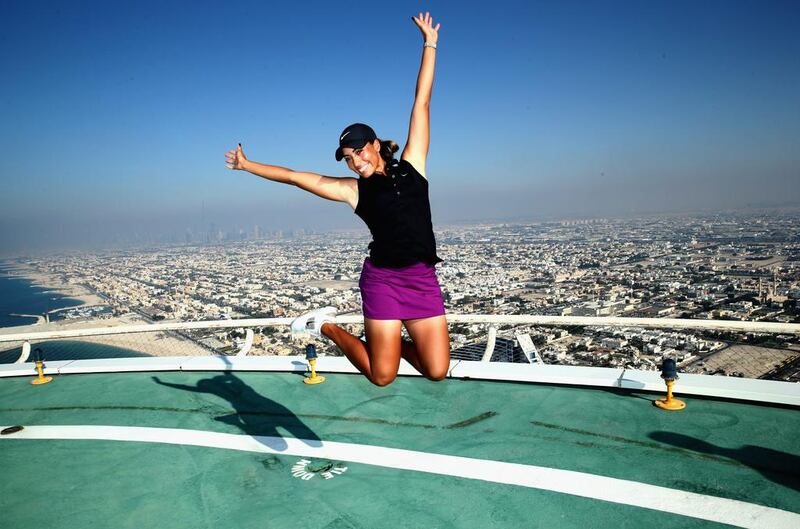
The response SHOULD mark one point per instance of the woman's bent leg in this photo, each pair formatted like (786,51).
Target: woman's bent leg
(379,358)
(431,344)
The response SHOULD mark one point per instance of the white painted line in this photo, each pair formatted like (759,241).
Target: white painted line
(712,508)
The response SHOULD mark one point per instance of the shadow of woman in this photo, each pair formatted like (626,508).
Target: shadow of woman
(781,467)
(255,414)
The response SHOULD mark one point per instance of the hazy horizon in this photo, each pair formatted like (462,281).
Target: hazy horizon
(116,117)
(158,236)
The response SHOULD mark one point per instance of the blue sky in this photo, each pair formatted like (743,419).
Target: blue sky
(116,115)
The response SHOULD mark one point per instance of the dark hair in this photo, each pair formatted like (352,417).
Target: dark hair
(388,148)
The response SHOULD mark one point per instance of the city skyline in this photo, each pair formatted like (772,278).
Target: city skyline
(713,267)
(116,120)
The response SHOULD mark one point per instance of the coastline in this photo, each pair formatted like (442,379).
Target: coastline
(151,344)
(39,318)
(148,343)
(54,285)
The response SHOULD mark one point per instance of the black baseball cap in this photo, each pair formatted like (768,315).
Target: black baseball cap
(355,136)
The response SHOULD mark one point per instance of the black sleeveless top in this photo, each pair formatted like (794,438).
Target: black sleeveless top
(397,211)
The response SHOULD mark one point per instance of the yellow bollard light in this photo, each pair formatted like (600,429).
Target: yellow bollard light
(670,403)
(39,361)
(669,372)
(311,356)
(41,379)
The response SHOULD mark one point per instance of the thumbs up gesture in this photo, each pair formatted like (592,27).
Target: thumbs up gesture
(235,159)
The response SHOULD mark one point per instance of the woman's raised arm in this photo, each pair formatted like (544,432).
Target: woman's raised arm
(416,150)
(339,189)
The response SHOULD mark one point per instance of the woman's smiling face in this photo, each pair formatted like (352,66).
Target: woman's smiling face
(366,160)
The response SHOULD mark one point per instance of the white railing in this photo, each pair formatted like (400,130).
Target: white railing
(618,377)
(577,321)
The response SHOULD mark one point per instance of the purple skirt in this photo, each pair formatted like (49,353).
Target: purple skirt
(404,293)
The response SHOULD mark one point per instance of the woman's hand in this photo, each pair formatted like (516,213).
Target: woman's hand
(425,25)
(235,159)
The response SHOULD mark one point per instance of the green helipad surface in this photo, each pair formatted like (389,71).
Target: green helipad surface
(713,448)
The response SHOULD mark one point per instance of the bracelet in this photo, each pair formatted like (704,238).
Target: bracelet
(429,45)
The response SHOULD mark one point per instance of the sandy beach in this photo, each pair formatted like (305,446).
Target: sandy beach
(150,343)
(159,343)
(55,285)
(154,344)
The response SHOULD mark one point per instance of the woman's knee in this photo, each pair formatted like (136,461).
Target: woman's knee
(382,379)
(435,361)
(437,373)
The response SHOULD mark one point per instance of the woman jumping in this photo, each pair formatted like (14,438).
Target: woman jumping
(398,280)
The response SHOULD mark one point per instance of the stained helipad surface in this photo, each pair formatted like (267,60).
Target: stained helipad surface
(249,449)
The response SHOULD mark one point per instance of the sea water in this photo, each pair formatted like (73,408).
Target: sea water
(18,295)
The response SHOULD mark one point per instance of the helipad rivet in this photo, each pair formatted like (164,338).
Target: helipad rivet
(11,429)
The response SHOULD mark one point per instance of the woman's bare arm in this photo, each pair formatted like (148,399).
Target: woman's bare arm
(416,150)
(338,189)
